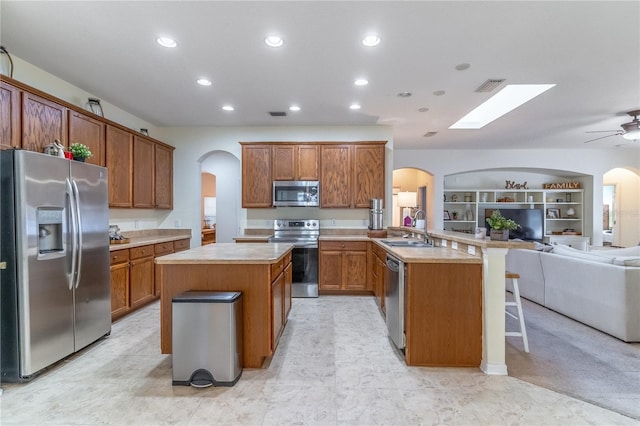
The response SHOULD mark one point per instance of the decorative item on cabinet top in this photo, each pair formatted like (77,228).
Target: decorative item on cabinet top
(80,151)
(95,107)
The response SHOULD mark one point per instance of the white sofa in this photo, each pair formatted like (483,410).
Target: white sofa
(598,288)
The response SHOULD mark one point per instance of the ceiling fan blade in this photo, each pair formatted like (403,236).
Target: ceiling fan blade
(603,131)
(602,137)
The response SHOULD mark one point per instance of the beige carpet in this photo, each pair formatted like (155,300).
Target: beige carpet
(571,358)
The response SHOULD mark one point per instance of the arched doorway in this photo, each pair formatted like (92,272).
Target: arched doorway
(416,181)
(226,168)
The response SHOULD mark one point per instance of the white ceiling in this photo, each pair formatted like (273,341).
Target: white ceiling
(591,50)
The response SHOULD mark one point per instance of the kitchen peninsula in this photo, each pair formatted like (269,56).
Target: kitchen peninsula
(262,272)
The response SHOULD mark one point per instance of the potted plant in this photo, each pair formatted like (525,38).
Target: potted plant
(500,226)
(80,151)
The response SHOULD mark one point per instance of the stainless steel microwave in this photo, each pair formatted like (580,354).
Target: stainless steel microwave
(296,193)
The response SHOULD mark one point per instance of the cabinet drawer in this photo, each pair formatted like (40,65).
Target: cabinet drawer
(287,259)
(181,245)
(119,256)
(277,268)
(163,248)
(344,245)
(138,252)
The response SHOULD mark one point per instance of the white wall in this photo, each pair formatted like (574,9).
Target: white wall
(627,227)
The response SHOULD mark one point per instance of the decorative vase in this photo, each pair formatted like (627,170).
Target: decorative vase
(81,159)
(499,235)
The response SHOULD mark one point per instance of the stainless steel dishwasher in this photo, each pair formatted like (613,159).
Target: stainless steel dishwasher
(394,300)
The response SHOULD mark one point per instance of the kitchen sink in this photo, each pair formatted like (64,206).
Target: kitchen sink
(406,243)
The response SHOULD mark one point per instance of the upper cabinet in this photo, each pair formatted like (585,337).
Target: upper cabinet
(140,168)
(256,176)
(9,116)
(43,121)
(295,162)
(89,131)
(350,174)
(119,162)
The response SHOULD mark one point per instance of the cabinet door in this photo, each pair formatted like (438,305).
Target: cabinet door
(119,289)
(163,177)
(288,279)
(143,170)
(119,162)
(307,162)
(277,309)
(284,162)
(256,176)
(354,268)
(335,190)
(330,273)
(142,286)
(86,130)
(368,174)
(9,116)
(43,122)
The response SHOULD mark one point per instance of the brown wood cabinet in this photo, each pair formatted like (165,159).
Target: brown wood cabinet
(142,279)
(342,265)
(43,121)
(368,174)
(143,172)
(288,281)
(257,186)
(443,314)
(91,132)
(163,177)
(376,260)
(181,245)
(10,134)
(335,176)
(296,162)
(277,310)
(119,162)
(119,283)
(208,236)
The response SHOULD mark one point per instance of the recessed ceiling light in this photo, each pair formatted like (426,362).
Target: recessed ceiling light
(404,94)
(423,109)
(439,92)
(227,108)
(274,41)
(354,106)
(166,42)
(508,99)
(371,40)
(361,82)
(204,82)
(462,67)
(294,108)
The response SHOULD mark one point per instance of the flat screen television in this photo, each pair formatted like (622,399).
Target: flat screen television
(530,221)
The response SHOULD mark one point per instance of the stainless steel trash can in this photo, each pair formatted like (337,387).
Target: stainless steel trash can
(207,338)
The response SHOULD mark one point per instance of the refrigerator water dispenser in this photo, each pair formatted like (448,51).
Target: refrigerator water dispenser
(49,230)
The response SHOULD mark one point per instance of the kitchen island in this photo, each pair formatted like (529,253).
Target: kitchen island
(262,272)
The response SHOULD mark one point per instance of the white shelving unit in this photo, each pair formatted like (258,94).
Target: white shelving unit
(466,208)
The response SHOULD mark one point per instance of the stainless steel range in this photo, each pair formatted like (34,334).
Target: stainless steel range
(303,234)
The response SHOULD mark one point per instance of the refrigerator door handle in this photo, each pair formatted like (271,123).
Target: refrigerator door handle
(76,196)
(73,229)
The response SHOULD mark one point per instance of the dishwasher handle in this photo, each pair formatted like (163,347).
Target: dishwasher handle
(393,264)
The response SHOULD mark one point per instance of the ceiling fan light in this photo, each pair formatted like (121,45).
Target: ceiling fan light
(631,130)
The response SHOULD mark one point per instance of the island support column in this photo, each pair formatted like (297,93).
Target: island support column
(493,315)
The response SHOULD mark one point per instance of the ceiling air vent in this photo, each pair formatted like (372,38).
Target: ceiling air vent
(277,113)
(429,134)
(490,85)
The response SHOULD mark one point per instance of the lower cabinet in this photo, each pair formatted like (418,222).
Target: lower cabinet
(282,275)
(133,275)
(342,265)
(377,259)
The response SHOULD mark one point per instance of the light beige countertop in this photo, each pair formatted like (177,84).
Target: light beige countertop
(264,238)
(150,236)
(426,254)
(225,253)
(339,237)
(469,239)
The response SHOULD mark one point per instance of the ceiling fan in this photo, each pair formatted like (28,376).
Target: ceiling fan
(630,130)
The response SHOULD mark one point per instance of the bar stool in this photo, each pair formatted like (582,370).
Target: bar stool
(518,304)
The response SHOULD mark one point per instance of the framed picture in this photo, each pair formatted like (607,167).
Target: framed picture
(553,213)
(446,215)
(95,107)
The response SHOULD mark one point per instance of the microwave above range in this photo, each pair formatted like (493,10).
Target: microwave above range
(296,193)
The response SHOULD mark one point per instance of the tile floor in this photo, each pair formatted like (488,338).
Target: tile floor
(334,366)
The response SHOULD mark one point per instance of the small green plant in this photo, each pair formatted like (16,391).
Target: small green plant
(498,222)
(80,150)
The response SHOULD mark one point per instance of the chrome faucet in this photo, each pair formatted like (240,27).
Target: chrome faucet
(415,216)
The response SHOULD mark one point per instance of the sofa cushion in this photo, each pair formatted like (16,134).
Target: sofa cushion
(629,251)
(579,254)
(626,260)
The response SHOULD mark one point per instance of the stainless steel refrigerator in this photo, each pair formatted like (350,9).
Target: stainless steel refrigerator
(55,296)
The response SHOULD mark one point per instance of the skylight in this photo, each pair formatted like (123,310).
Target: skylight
(508,99)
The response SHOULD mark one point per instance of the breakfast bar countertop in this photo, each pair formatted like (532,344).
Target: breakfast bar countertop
(221,253)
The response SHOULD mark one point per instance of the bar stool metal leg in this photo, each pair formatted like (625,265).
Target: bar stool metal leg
(518,304)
